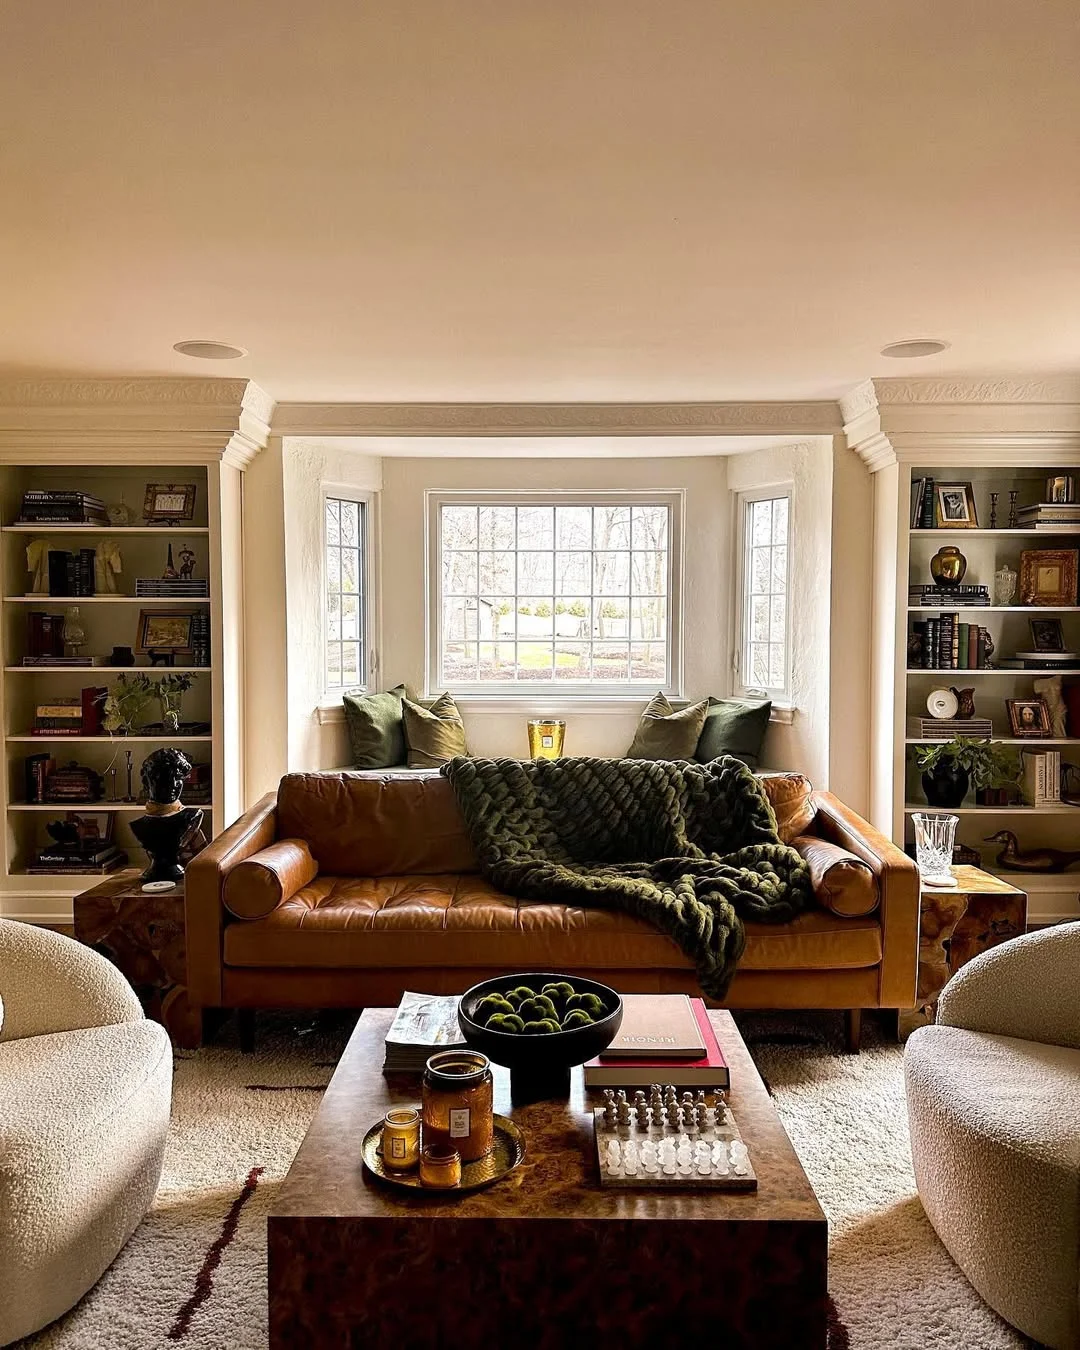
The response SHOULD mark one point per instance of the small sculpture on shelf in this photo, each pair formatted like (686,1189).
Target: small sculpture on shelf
(37,564)
(1016,859)
(107,567)
(187,563)
(965,701)
(168,827)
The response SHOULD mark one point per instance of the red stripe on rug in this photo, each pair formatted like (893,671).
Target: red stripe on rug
(204,1281)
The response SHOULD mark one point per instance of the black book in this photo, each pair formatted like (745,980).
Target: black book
(60,561)
(928,504)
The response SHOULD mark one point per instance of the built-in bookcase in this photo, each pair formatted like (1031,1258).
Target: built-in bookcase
(109,621)
(986,550)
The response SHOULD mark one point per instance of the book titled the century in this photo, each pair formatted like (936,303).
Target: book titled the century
(657,1024)
(708,1070)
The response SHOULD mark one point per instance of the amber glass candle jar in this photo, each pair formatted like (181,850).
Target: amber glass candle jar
(440,1167)
(457,1103)
(401,1138)
(546,738)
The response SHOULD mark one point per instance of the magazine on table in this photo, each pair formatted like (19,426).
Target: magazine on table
(422,1024)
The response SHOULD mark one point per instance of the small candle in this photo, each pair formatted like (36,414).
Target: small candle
(401,1139)
(440,1167)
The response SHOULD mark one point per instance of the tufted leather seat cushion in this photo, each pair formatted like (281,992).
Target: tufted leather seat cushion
(459,920)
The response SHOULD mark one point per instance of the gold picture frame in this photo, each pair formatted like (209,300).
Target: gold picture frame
(166,630)
(1048,576)
(169,503)
(1028,716)
(954,506)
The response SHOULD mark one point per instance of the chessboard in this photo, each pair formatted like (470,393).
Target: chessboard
(671,1143)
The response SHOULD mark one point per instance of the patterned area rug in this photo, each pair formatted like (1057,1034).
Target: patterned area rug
(194,1274)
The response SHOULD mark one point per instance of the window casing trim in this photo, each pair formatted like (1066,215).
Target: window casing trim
(740,637)
(369,619)
(436,498)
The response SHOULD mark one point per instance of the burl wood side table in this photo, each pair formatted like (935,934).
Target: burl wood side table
(956,925)
(143,935)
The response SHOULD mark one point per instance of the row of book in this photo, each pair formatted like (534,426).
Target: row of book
(922,504)
(1042,777)
(48,506)
(80,716)
(923,596)
(944,643)
(71,573)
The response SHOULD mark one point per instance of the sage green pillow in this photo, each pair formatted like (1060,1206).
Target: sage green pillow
(734,726)
(433,735)
(375,727)
(664,733)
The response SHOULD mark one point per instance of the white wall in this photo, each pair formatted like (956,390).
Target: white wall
(804,744)
(266,723)
(851,598)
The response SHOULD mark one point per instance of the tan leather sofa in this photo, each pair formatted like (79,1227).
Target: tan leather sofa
(343,889)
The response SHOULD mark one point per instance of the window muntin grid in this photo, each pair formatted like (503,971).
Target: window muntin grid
(554,593)
(345,656)
(764,665)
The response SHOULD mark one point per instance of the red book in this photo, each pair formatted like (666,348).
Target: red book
(710,1072)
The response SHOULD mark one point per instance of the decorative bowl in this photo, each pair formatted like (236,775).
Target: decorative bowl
(540,1065)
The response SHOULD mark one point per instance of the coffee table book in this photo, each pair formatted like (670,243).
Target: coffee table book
(660,1025)
(710,1070)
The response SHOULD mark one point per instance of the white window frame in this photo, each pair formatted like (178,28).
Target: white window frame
(550,691)
(368,503)
(741,638)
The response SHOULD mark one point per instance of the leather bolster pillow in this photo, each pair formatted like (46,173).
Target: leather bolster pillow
(843,884)
(255,887)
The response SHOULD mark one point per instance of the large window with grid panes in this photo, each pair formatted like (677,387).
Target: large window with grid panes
(575,592)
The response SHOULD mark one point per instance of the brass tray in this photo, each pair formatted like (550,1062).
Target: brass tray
(508,1149)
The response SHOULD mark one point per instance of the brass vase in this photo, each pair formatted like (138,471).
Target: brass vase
(947,567)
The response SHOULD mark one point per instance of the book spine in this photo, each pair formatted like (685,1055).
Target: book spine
(928,504)
(962,645)
(954,634)
(918,487)
(973,647)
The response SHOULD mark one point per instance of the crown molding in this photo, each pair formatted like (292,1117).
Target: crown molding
(197,421)
(814,418)
(995,389)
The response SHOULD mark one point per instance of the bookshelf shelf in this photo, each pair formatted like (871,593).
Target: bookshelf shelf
(1032,610)
(55,808)
(188,531)
(163,739)
(1016,673)
(147,601)
(1030,741)
(944,532)
(1048,809)
(105,670)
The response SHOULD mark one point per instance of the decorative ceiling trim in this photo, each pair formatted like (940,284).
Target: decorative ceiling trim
(993,389)
(816,418)
(120,421)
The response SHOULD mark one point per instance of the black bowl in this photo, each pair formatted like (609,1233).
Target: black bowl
(540,1065)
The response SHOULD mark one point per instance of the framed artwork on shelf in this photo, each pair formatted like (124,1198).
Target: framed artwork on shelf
(1046,635)
(1028,716)
(94,827)
(956,506)
(166,630)
(169,503)
(1048,576)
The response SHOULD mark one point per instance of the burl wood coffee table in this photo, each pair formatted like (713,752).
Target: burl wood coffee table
(543,1259)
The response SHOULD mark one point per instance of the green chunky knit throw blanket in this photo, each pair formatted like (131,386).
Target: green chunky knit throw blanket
(689,848)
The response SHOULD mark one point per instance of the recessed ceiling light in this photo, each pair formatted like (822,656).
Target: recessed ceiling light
(205,350)
(915,347)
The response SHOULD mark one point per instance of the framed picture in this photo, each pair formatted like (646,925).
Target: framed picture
(1046,635)
(165,630)
(1028,716)
(94,827)
(1048,576)
(956,506)
(169,503)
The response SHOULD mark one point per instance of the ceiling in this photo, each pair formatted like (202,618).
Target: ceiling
(540,200)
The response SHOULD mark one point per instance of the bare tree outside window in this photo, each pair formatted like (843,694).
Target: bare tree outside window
(344,562)
(764,657)
(565,595)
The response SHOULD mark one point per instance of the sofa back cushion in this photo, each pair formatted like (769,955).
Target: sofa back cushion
(374,825)
(791,797)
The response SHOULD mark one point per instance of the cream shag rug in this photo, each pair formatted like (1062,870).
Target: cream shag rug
(194,1274)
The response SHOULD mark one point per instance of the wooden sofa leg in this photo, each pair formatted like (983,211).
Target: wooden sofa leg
(853,1029)
(245,1022)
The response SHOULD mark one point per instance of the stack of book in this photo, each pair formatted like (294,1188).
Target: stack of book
(157,588)
(922,504)
(947,644)
(1042,776)
(924,596)
(63,860)
(664,1038)
(945,728)
(1050,516)
(61,717)
(59,660)
(423,1024)
(45,507)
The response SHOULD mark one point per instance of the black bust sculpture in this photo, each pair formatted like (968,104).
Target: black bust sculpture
(167,825)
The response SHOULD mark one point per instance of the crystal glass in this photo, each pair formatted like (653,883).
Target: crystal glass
(1004,585)
(934,838)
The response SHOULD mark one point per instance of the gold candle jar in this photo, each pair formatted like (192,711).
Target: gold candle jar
(546,738)
(440,1167)
(457,1103)
(401,1138)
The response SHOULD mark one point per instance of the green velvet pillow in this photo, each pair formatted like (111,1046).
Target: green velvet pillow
(664,733)
(734,726)
(375,728)
(433,735)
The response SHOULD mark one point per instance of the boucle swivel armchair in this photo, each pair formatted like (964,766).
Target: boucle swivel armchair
(993,1092)
(85,1091)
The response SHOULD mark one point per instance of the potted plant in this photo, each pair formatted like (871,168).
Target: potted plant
(950,768)
(123,704)
(170,691)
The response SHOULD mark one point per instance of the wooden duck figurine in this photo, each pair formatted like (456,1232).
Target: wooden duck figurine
(1030,860)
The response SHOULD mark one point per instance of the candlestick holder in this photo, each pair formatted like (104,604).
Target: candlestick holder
(993,510)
